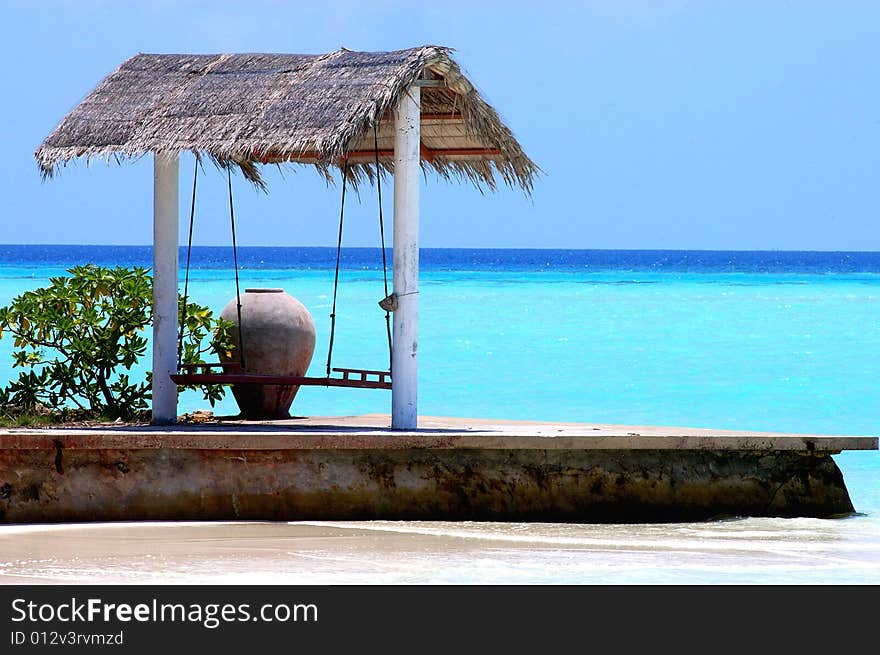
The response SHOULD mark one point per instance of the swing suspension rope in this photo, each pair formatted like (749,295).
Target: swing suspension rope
(382,238)
(235,263)
(336,276)
(189,243)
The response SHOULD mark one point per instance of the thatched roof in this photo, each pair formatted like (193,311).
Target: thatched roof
(248,109)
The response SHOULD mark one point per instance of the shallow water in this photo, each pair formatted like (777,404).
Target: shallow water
(737,341)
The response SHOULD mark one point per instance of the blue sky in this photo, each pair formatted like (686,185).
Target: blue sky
(659,124)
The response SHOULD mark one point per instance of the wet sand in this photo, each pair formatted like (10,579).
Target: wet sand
(736,551)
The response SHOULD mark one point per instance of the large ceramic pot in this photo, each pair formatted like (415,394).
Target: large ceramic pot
(279,339)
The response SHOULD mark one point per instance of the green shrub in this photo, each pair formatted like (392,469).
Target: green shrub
(79,337)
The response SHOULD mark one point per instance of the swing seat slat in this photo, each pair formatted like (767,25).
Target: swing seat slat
(197,374)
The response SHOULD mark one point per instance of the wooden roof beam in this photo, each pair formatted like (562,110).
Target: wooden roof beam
(451,116)
(428,154)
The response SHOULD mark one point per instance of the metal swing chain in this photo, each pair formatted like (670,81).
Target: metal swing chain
(235,263)
(189,244)
(336,277)
(382,238)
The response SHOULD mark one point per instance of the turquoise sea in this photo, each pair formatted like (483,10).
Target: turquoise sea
(773,341)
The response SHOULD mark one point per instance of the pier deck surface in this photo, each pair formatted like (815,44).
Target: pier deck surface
(372,432)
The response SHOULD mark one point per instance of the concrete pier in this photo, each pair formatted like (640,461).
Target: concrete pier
(450,469)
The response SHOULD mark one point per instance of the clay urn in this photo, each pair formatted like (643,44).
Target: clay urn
(279,339)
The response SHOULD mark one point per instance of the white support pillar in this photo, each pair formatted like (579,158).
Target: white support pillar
(404,354)
(165,236)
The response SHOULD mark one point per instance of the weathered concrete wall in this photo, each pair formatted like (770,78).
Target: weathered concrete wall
(41,485)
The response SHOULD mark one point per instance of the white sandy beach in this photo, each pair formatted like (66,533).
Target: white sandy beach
(741,551)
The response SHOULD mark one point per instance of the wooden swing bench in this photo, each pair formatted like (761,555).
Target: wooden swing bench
(232,373)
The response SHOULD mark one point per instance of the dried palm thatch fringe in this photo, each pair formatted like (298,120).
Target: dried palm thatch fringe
(243,109)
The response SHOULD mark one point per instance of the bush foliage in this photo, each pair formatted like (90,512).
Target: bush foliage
(79,338)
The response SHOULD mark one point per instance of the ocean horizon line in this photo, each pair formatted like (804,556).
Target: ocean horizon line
(459,248)
(457,259)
